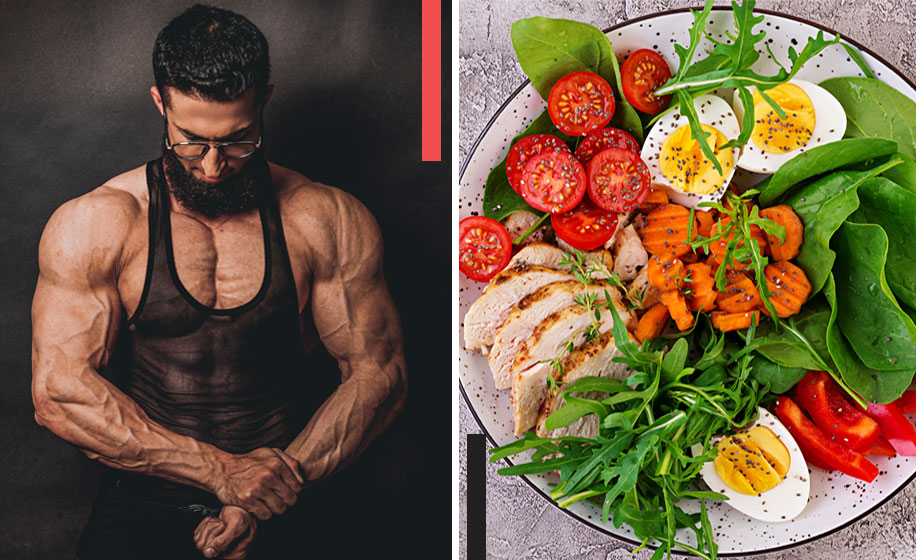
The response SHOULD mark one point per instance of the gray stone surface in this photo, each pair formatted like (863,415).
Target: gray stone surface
(520,524)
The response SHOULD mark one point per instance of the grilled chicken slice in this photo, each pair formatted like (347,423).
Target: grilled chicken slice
(507,288)
(629,254)
(526,316)
(592,359)
(551,256)
(641,291)
(529,391)
(549,339)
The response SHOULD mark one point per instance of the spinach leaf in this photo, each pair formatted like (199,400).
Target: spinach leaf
(499,200)
(892,207)
(821,159)
(876,110)
(548,49)
(872,385)
(777,377)
(903,174)
(784,348)
(881,334)
(823,206)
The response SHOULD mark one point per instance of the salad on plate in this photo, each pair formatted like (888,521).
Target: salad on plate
(697,277)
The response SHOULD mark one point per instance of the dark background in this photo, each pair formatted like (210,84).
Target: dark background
(75,111)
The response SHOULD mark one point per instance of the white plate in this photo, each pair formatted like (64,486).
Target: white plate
(836,499)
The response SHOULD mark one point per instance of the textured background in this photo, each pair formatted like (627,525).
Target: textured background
(521,524)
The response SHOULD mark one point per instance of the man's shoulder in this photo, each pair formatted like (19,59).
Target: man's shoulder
(304,200)
(98,221)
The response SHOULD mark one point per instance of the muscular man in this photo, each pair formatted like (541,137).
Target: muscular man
(174,309)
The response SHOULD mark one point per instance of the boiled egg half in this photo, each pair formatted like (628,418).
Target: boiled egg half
(761,470)
(813,117)
(676,160)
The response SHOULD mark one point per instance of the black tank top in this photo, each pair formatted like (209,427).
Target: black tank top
(221,376)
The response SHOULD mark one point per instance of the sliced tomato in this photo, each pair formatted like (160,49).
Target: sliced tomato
(554,181)
(618,180)
(641,74)
(817,446)
(484,247)
(600,140)
(818,395)
(580,103)
(522,151)
(586,226)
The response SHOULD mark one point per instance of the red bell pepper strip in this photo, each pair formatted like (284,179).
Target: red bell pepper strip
(819,396)
(895,427)
(821,448)
(881,447)
(907,402)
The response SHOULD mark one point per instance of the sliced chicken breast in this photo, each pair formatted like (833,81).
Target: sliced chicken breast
(551,337)
(629,254)
(593,359)
(529,391)
(526,316)
(551,256)
(507,288)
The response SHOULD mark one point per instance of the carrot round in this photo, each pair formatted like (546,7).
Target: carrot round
(786,217)
(666,230)
(652,322)
(677,307)
(666,274)
(702,287)
(789,287)
(725,321)
(705,220)
(656,197)
(740,294)
(718,248)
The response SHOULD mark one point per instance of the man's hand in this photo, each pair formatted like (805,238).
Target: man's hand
(227,536)
(264,482)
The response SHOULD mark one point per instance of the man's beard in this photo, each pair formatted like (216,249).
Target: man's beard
(234,195)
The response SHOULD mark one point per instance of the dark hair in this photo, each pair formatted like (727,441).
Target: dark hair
(211,53)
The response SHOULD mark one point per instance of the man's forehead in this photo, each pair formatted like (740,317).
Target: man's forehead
(209,119)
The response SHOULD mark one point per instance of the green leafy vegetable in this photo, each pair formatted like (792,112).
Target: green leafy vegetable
(903,174)
(776,377)
(821,159)
(875,109)
(881,334)
(872,385)
(892,207)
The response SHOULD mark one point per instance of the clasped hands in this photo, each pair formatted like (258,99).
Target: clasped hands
(259,484)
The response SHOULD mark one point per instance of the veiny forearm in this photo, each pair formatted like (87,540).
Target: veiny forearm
(358,411)
(86,410)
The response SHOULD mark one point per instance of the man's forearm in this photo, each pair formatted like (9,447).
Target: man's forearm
(358,411)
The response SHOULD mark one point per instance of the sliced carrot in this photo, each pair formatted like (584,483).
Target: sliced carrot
(725,321)
(718,248)
(789,287)
(656,197)
(784,216)
(740,294)
(690,258)
(677,307)
(666,274)
(705,220)
(666,230)
(652,322)
(702,286)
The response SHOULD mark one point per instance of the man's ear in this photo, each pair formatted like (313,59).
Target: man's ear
(270,90)
(157,99)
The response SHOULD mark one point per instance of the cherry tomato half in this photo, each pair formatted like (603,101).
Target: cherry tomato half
(522,151)
(599,140)
(554,181)
(642,73)
(618,180)
(580,102)
(484,248)
(586,226)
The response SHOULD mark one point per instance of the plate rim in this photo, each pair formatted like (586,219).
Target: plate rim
(601,529)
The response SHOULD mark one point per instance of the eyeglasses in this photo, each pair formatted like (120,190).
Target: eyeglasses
(197,150)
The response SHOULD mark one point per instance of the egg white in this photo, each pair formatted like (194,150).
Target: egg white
(711,110)
(782,503)
(829,126)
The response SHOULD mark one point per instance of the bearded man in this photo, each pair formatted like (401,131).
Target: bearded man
(174,308)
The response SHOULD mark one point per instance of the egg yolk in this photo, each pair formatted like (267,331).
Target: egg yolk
(778,136)
(686,168)
(753,461)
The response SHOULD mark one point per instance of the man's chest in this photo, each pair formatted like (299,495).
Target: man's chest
(221,264)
